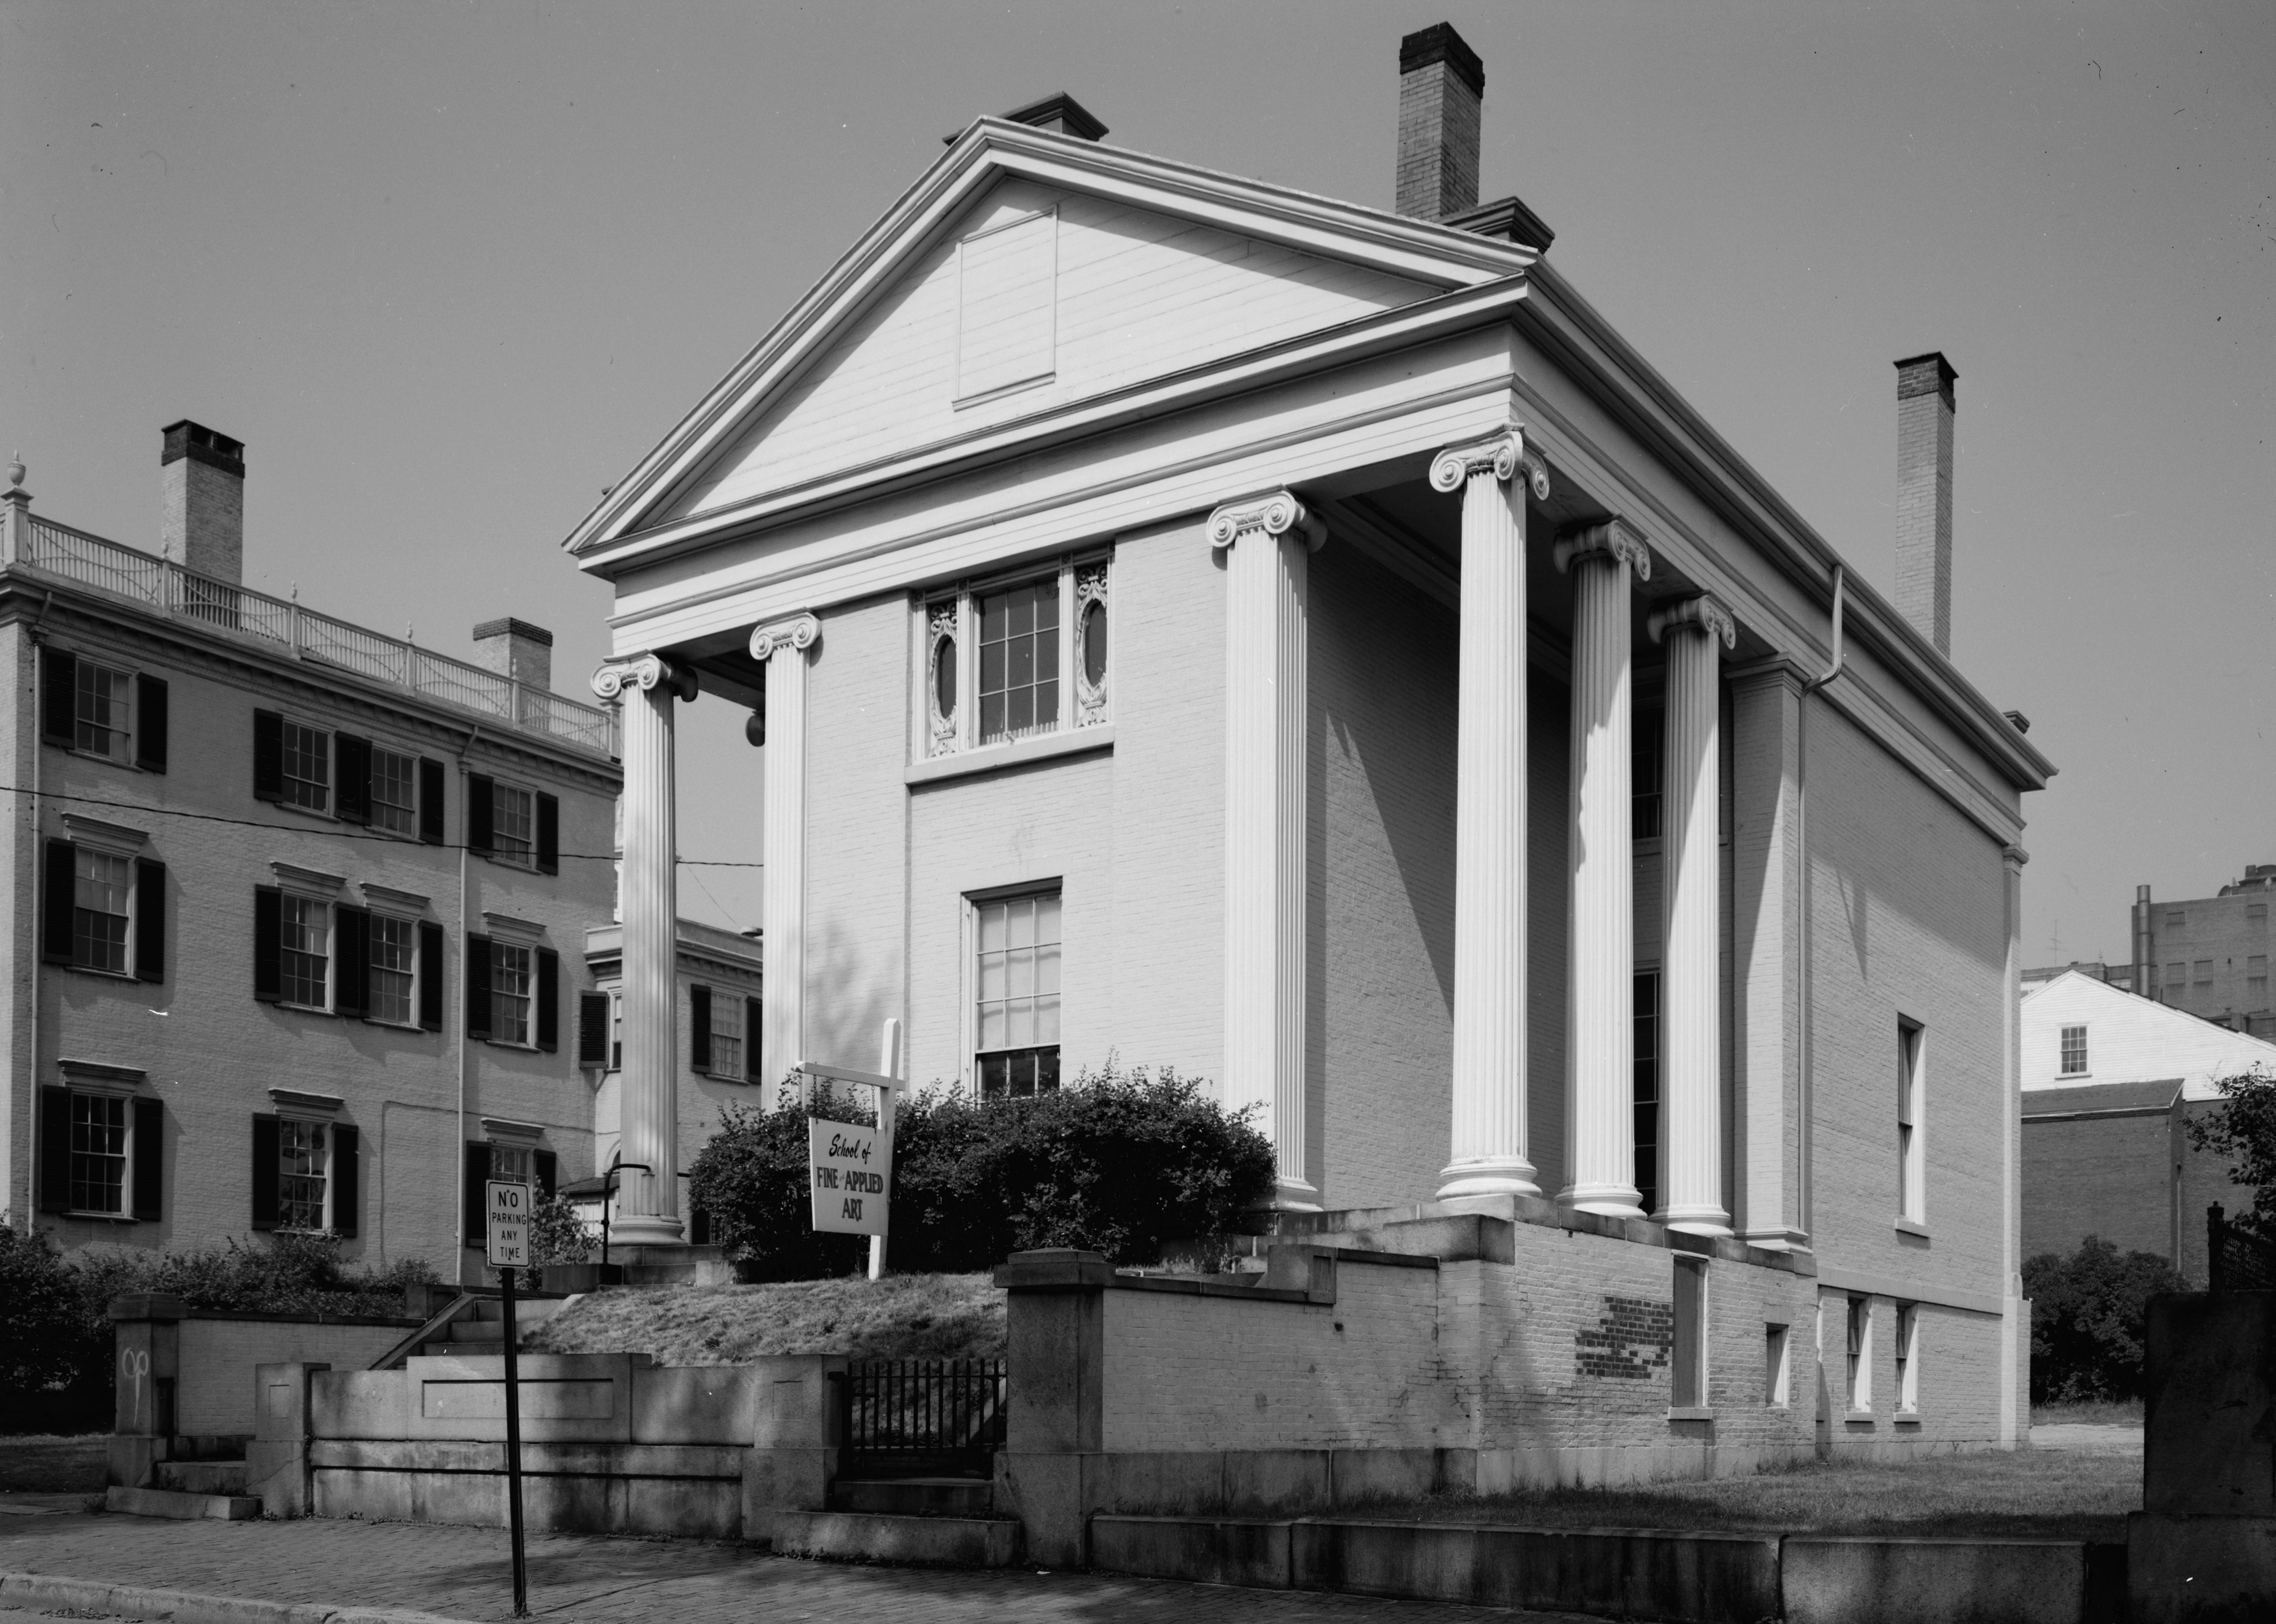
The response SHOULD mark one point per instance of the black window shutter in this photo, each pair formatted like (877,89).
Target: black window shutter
(268,944)
(698,1027)
(61,893)
(149,920)
(478,986)
(431,827)
(351,961)
(479,825)
(264,1172)
(268,756)
(347,1178)
(545,1164)
(548,1000)
(477,1192)
(754,1012)
(149,1160)
(55,1150)
(430,976)
(58,697)
(352,773)
(548,834)
(593,1029)
(151,723)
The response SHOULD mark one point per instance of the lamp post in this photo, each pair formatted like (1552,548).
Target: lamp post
(617,1164)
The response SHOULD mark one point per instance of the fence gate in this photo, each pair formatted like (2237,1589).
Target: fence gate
(2236,1259)
(921,1418)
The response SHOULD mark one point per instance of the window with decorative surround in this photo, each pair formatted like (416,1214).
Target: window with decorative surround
(1017,657)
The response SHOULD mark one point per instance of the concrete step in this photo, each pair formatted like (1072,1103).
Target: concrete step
(526,1310)
(938,1542)
(202,1477)
(183,1507)
(453,1349)
(915,1496)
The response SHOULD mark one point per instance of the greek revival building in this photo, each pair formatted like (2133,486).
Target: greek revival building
(1196,622)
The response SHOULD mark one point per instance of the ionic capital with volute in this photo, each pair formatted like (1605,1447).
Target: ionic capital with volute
(644,672)
(1503,453)
(798,633)
(1275,514)
(1703,612)
(1614,538)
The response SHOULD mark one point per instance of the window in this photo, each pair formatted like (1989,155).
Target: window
(98,1153)
(1645,763)
(303,951)
(2177,921)
(511,1163)
(2177,983)
(104,716)
(1015,660)
(102,909)
(308,767)
(1861,1364)
(102,889)
(511,977)
(1018,660)
(1774,1365)
(1690,1360)
(508,823)
(2201,973)
(300,1170)
(2074,1052)
(1907,1358)
(2256,914)
(394,968)
(514,825)
(1017,1009)
(1911,1169)
(727,1037)
(2255,981)
(1647,1089)
(394,792)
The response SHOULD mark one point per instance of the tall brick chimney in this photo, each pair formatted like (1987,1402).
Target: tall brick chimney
(201,486)
(518,649)
(1924,409)
(1442,85)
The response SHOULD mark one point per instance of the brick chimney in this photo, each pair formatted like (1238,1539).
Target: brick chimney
(1442,85)
(201,486)
(1924,409)
(517,649)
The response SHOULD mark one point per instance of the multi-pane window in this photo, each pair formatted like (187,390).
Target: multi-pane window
(726,1036)
(513,826)
(394,792)
(1646,997)
(303,951)
(1645,764)
(1907,1351)
(98,1153)
(511,1163)
(1861,1363)
(2177,921)
(394,964)
(1020,661)
(1911,1170)
(2074,1052)
(2255,981)
(103,711)
(511,975)
(101,887)
(301,1166)
(2256,914)
(308,766)
(1017,1013)
(2201,973)
(2177,983)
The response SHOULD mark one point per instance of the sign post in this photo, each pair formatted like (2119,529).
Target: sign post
(509,1250)
(851,1166)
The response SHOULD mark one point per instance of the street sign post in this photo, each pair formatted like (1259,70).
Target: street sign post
(508,1208)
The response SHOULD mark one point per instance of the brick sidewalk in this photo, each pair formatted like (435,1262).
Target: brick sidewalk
(463,1573)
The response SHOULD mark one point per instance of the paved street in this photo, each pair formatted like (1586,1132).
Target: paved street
(463,1573)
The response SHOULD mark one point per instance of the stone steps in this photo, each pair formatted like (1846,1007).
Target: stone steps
(937,1542)
(181,1505)
(223,1477)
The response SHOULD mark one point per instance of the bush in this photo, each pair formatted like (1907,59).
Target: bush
(46,1339)
(1119,1163)
(2088,1315)
(558,1235)
(2245,1130)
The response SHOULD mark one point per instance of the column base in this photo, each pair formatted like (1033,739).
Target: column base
(1505,1176)
(1604,1199)
(1777,1238)
(645,1229)
(1295,1196)
(1695,1220)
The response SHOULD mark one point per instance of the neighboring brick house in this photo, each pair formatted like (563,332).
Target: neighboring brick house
(1197,622)
(298,909)
(2110,1081)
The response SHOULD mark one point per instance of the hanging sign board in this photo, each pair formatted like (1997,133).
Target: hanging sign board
(509,1219)
(852,1170)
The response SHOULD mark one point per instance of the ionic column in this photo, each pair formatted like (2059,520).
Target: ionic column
(1488,1155)
(784,648)
(1266,544)
(1693,631)
(648,1204)
(1600,925)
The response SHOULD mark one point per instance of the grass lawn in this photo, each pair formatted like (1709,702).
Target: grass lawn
(903,1316)
(2027,1493)
(47,1463)
(2096,1412)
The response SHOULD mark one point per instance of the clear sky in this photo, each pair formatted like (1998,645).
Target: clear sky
(450,269)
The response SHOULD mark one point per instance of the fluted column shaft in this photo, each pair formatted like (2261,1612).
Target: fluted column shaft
(1267,543)
(648,1203)
(1694,633)
(1600,927)
(1489,1153)
(785,648)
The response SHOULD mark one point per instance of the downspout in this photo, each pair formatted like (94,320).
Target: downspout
(459,1269)
(37,637)
(1804,1203)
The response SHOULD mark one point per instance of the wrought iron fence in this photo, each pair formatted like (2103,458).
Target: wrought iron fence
(921,1418)
(2236,1259)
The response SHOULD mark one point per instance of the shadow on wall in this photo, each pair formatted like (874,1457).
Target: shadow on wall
(845,1006)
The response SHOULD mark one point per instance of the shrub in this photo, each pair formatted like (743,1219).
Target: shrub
(2088,1315)
(2245,1130)
(1120,1163)
(46,1340)
(557,1234)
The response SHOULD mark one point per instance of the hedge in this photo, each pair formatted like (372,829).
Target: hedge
(2090,1316)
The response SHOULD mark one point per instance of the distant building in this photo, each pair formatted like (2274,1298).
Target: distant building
(2109,1081)
(2209,955)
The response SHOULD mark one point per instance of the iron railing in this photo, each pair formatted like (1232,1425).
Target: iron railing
(2236,1259)
(921,1418)
(163,585)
